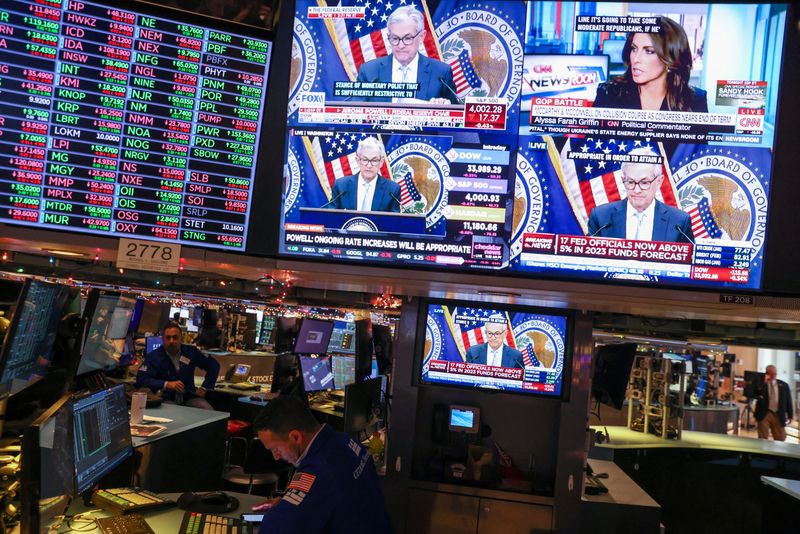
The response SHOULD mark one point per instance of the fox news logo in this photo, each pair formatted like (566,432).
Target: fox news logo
(312,100)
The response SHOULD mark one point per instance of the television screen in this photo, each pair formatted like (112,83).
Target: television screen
(105,339)
(152,343)
(496,348)
(343,338)
(612,371)
(317,373)
(344,370)
(702,149)
(131,121)
(567,172)
(27,350)
(313,337)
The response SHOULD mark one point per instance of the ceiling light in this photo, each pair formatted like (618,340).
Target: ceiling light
(63,252)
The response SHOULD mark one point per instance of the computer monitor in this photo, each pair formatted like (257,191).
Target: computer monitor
(27,349)
(109,315)
(343,338)
(197,316)
(284,372)
(382,341)
(48,476)
(364,349)
(754,384)
(102,435)
(313,336)
(133,327)
(685,358)
(265,329)
(250,330)
(612,370)
(285,333)
(151,343)
(317,373)
(154,315)
(344,370)
(361,402)
(464,419)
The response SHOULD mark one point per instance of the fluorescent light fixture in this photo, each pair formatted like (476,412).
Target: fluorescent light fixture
(63,252)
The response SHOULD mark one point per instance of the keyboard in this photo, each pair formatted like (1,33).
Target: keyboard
(244,386)
(124,524)
(593,486)
(125,500)
(197,523)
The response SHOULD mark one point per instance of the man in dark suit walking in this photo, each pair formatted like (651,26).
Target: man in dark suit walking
(406,32)
(366,191)
(774,408)
(495,352)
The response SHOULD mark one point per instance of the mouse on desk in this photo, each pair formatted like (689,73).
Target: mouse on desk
(215,497)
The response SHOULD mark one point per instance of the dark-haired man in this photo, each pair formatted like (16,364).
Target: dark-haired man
(335,488)
(170,368)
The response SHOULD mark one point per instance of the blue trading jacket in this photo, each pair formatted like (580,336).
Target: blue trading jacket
(158,369)
(335,490)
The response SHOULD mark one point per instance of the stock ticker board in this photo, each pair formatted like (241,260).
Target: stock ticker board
(128,124)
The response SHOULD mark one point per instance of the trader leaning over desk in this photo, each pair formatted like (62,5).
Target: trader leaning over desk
(170,368)
(335,488)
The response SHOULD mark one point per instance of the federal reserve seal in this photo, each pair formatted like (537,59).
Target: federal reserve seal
(433,342)
(304,64)
(491,38)
(293,173)
(359,224)
(545,340)
(427,167)
(529,203)
(726,195)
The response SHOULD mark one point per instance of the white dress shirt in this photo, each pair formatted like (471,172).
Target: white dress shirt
(773,396)
(632,222)
(366,192)
(410,73)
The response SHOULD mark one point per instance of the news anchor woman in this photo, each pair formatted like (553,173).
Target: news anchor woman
(658,66)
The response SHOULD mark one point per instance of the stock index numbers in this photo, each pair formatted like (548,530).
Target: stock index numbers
(115,122)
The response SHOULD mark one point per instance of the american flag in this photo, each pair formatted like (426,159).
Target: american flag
(703,223)
(464,75)
(594,182)
(529,357)
(302,482)
(363,39)
(335,156)
(408,191)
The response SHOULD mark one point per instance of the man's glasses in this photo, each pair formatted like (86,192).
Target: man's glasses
(406,40)
(370,161)
(495,334)
(644,185)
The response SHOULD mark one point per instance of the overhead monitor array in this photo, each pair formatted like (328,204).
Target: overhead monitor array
(129,122)
(632,143)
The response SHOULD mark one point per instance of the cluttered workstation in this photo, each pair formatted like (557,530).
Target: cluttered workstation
(369,266)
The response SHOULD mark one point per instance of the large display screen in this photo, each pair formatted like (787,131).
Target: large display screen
(128,121)
(495,348)
(627,141)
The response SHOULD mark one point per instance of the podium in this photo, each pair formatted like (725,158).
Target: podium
(364,221)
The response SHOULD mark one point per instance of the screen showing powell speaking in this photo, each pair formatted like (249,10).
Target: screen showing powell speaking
(128,122)
(646,138)
(425,99)
(495,348)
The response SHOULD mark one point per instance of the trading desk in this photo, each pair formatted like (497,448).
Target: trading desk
(161,521)
(188,455)
(685,475)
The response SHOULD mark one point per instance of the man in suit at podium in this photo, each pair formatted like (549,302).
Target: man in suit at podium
(774,407)
(367,190)
(640,216)
(495,352)
(406,32)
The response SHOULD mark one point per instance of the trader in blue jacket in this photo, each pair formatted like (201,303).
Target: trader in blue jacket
(170,368)
(334,490)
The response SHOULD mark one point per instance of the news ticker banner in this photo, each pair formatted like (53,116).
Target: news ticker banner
(128,124)
(725,191)
(454,199)
(537,343)
(479,43)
